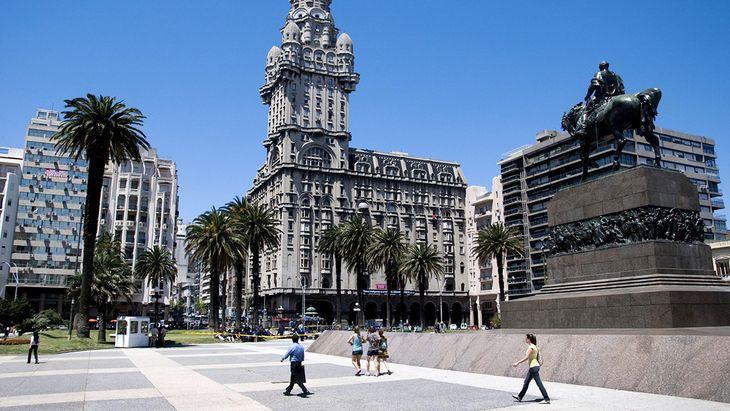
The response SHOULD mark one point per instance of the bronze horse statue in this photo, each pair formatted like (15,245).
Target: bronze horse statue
(619,113)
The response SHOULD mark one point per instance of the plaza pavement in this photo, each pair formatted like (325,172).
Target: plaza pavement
(250,377)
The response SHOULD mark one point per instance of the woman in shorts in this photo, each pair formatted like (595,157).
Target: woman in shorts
(356,342)
(383,352)
(373,350)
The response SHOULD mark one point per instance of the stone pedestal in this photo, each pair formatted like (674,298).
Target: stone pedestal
(660,282)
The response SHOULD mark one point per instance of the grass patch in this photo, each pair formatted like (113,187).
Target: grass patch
(57,342)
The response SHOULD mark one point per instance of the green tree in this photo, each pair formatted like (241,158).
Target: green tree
(331,244)
(157,266)
(112,279)
(200,307)
(260,228)
(496,241)
(356,238)
(101,129)
(208,243)
(16,312)
(386,251)
(236,210)
(421,262)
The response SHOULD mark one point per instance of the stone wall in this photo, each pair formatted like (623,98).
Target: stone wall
(693,366)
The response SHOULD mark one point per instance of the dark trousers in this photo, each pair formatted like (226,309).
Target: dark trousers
(297,377)
(534,374)
(33,349)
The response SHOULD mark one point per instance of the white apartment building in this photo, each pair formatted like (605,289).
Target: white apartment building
(11,166)
(139,207)
(483,208)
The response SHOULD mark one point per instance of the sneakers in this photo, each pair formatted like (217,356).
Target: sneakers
(287,393)
(390,372)
(357,374)
(518,399)
(544,401)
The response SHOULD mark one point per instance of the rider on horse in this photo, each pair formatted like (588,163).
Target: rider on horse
(604,85)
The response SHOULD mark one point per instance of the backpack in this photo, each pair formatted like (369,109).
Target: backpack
(384,344)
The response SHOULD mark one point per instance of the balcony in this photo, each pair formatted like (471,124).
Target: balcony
(718,203)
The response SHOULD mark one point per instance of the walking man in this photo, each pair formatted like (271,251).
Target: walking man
(296,356)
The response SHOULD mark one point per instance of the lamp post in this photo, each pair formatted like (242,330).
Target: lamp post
(441,302)
(356,309)
(156,297)
(71,319)
(15,276)
(304,296)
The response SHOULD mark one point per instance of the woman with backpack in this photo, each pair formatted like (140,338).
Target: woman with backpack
(382,352)
(532,355)
(356,342)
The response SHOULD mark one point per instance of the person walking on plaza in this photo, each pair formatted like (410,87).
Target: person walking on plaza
(356,342)
(373,349)
(532,355)
(35,341)
(296,357)
(383,352)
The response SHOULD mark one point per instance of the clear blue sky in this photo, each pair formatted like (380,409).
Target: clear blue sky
(462,80)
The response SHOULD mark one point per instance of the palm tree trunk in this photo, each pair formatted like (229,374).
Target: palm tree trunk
(214,292)
(403,301)
(256,279)
(102,322)
(91,223)
(500,275)
(422,298)
(239,281)
(224,296)
(338,275)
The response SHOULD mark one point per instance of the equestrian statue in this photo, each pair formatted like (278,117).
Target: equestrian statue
(608,111)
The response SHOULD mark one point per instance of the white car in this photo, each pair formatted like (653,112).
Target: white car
(453,327)
(464,326)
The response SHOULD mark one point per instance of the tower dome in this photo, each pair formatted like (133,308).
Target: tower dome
(344,44)
(291,33)
(273,55)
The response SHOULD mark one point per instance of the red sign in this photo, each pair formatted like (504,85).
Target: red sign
(381,286)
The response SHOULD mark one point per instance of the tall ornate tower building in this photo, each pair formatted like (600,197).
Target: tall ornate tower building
(316,180)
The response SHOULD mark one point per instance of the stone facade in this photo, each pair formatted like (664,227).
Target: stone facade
(533,173)
(654,283)
(316,180)
(11,165)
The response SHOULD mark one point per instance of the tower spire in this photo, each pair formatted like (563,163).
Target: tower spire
(322,4)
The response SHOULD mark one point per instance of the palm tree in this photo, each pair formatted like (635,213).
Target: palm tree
(260,228)
(385,251)
(496,241)
(208,243)
(236,209)
(157,266)
(112,279)
(356,238)
(421,262)
(102,129)
(331,244)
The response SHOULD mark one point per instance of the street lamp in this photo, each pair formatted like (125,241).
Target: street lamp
(15,276)
(71,319)
(156,297)
(304,293)
(356,309)
(441,302)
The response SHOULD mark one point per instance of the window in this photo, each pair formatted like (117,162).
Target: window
(317,157)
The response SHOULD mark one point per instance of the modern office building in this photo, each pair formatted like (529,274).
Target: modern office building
(483,208)
(530,175)
(139,207)
(47,240)
(11,165)
(315,180)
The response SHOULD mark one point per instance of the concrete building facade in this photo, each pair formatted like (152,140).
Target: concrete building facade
(11,165)
(483,208)
(47,240)
(530,176)
(139,207)
(315,180)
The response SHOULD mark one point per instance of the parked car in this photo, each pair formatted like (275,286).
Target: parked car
(464,326)
(483,327)
(453,327)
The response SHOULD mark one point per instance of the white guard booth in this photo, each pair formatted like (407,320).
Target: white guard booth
(132,332)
